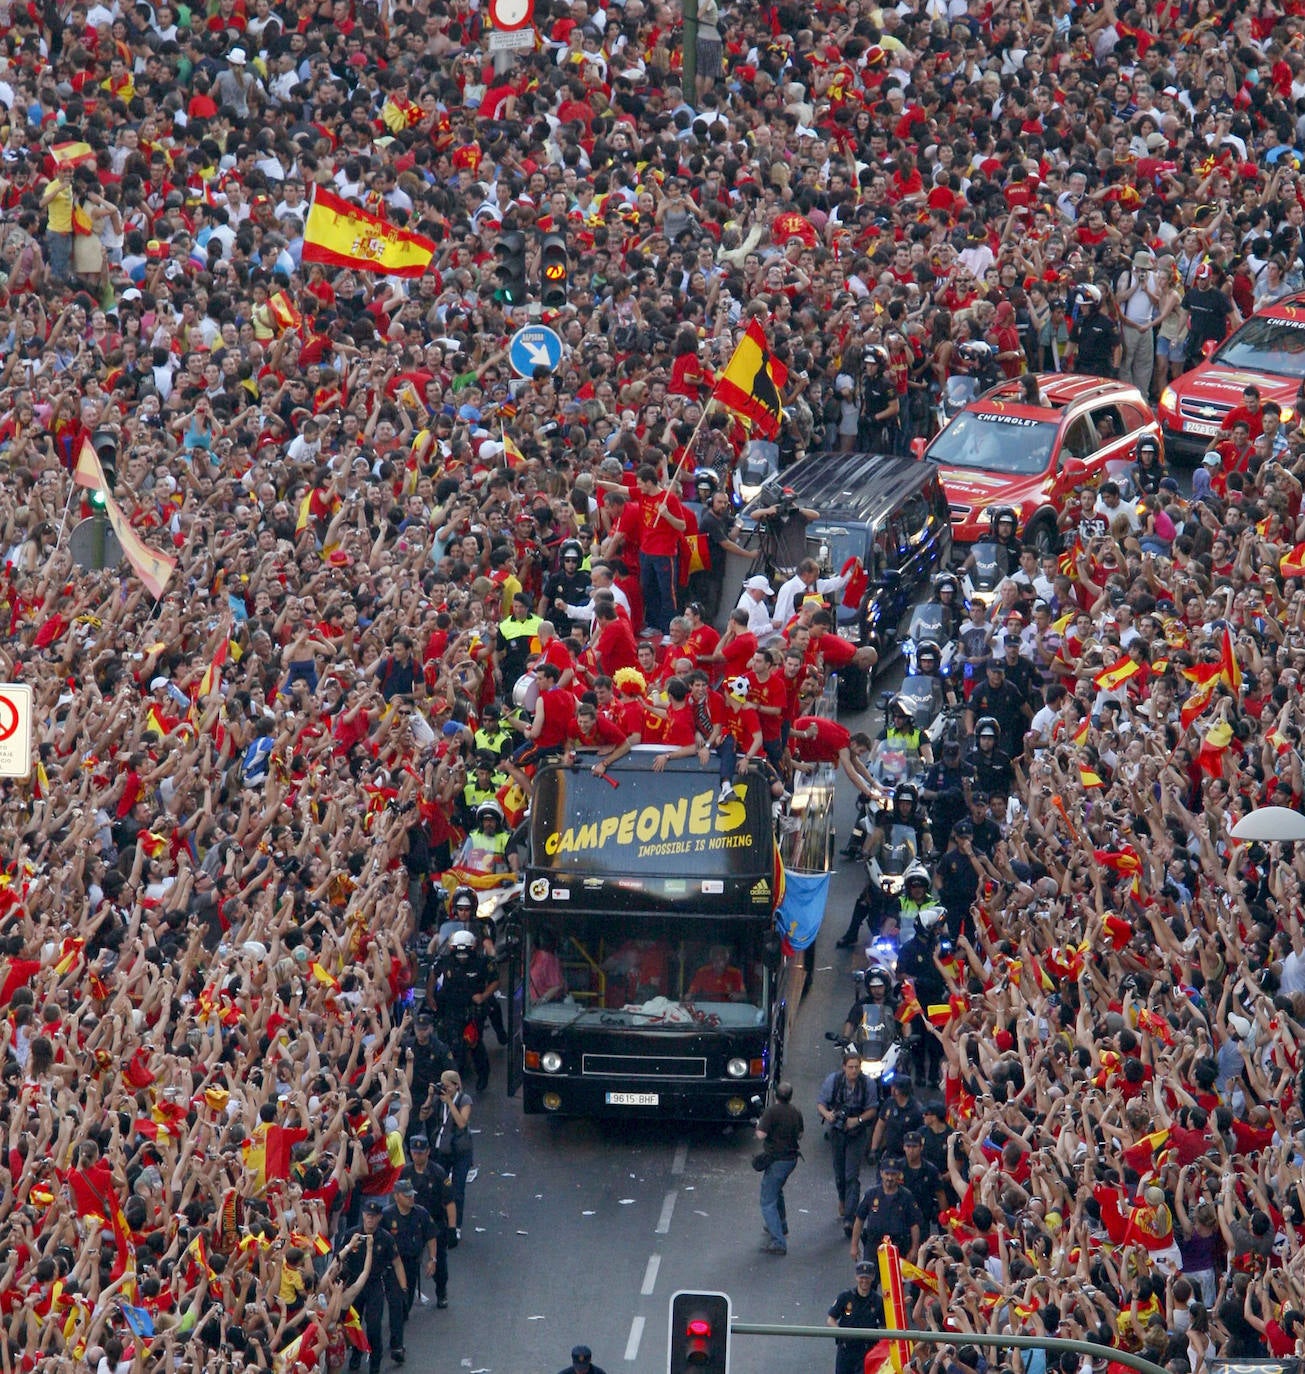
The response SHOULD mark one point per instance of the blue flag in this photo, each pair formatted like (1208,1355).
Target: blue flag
(140,1320)
(803,908)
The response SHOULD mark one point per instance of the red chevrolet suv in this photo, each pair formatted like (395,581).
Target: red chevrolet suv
(1268,352)
(999,451)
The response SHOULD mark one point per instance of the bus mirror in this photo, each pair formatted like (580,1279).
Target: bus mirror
(773,950)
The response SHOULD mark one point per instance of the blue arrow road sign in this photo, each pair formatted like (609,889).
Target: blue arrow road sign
(534,346)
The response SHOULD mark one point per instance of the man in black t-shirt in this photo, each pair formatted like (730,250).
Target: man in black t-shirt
(857,1307)
(1208,310)
(780,1128)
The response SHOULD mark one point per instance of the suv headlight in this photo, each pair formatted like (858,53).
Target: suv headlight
(1169,400)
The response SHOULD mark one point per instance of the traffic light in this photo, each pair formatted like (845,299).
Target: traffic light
(700,1333)
(510,250)
(554,271)
(105,444)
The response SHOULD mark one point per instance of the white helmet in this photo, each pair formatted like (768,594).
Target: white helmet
(917,873)
(931,916)
(1090,295)
(462,939)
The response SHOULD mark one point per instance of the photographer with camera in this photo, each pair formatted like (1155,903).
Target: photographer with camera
(847,1104)
(783,525)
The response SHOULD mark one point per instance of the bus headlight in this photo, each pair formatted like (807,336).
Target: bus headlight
(737,1068)
(550,1061)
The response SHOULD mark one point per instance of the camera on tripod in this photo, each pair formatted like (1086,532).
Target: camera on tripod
(779,497)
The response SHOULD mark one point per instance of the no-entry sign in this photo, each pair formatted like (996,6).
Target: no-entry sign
(15,729)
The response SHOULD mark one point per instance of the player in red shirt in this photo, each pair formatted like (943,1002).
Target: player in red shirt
(663,520)
(547,733)
(814,739)
(738,736)
(769,695)
(589,730)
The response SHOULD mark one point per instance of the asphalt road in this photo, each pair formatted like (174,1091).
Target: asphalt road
(580,1231)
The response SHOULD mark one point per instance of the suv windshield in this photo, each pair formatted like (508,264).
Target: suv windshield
(1265,345)
(996,443)
(653,974)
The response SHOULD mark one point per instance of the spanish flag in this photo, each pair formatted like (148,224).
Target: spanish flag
(1207,677)
(1229,669)
(512,455)
(1116,675)
(72,154)
(1209,757)
(1121,861)
(1292,564)
(212,680)
(352,1327)
(283,312)
(88,472)
(1088,778)
(1081,734)
(339,234)
(751,383)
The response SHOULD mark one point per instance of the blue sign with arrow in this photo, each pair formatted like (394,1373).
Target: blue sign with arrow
(535,346)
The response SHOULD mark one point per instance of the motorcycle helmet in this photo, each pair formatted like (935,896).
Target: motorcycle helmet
(1000,515)
(976,353)
(1148,443)
(706,478)
(571,549)
(945,582)
(917,873)
(989,727)
(738,687)
(906,792)
(462,944)
(877,978)
(876,354)
(931,917)
(928,657)
(464,898)
(899,706)
(1089,294)
(489,809)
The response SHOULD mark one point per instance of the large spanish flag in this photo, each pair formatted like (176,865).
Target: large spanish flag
(751,383)
(1292,563)
(343,235)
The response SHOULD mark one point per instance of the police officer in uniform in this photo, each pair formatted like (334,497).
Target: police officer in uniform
(465,983)
(1093,337)
(569,586)
(920,1178)
(887,1212)
(427,1057)
(858,1306)
(1000,700)
(493,738)
(880,408)
(385,1279)
(944,790)
(513,643)
(433,1189)
(413,1230)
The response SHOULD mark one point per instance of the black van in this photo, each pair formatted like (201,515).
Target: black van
(893,515)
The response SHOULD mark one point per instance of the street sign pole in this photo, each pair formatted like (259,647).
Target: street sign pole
(690,51)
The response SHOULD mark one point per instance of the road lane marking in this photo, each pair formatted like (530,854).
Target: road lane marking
(681,1157)
(668,1210)
(650,1276)
(636,1335)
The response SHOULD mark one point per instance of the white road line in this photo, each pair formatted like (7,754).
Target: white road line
(650,1276)
(668,1210)
(681,1157)
(636,1335)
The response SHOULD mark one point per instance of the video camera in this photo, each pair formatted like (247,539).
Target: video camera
(772,493)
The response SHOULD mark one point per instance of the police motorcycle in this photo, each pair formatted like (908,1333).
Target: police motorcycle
(872,1030)
(993,559)
(982,374)
(758,465)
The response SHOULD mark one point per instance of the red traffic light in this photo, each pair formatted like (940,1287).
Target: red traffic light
(700,1328)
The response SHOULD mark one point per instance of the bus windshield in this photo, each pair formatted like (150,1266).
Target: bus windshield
(657,974)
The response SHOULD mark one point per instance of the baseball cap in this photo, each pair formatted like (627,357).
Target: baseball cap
(372,1207)
(404,1185)
(913,1138)
(581,1354)
(893,1165)
(1212,460)
(418,1142)
(757,584)
(865,1269)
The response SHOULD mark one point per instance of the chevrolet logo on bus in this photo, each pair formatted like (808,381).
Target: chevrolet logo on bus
(687,825)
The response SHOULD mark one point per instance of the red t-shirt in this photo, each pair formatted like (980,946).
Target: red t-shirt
(744,724)
(559,711)
(659,538)
(772,692)
(616,647)
(824,746)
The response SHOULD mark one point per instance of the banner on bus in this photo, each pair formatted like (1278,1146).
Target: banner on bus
(654,842)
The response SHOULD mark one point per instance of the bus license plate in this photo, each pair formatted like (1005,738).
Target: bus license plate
(633,1099)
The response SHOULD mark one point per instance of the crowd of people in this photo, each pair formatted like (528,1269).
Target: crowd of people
(233,1088)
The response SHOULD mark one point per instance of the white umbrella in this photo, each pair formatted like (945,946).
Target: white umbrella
(1271,823)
